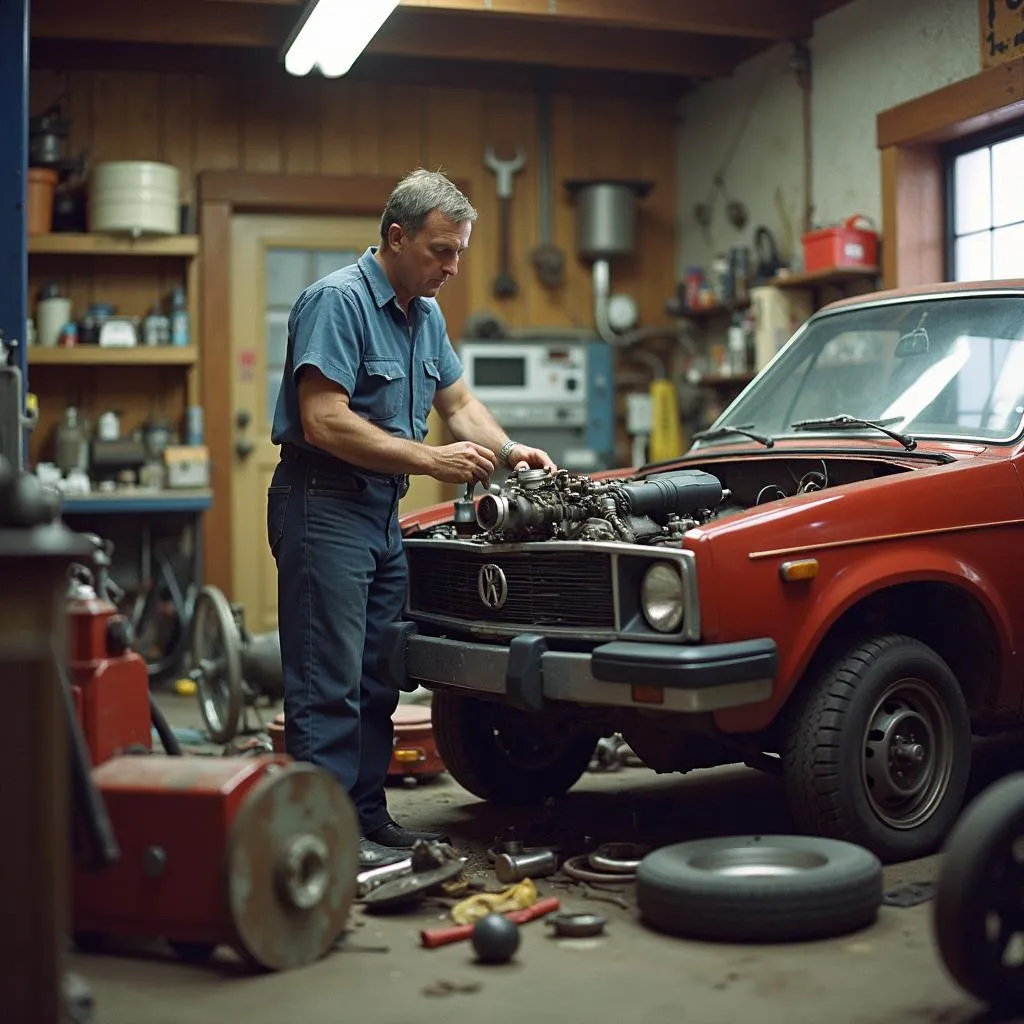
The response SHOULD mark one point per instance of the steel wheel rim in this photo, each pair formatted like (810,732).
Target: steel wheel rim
(758,861)
(907,754)
(213,657)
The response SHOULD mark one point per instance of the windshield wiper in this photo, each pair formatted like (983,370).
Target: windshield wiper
(844,422)
(746,429)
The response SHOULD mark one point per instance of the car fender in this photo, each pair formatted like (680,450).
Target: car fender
(847,588)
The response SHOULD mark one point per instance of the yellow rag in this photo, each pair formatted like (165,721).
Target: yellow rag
(516,897)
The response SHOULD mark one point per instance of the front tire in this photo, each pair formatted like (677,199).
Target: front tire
(505,755)
(879,749)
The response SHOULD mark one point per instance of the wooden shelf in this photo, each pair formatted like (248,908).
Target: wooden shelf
(113,245)
(93,355)
(719,380)
(834,275)
(706,312)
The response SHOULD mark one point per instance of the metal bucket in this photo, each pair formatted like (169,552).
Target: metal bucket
(606,217)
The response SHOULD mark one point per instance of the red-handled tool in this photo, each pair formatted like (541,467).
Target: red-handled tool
(431,938)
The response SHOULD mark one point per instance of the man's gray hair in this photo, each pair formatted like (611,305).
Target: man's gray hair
(417,195)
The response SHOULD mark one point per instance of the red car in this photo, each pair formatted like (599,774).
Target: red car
(827,586)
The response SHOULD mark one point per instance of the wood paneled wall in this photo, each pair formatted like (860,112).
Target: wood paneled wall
(272,122)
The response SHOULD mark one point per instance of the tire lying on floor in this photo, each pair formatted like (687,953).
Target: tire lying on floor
(978,921)
(760,888)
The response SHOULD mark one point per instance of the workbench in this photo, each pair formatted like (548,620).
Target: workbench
(121,515)
(138,501)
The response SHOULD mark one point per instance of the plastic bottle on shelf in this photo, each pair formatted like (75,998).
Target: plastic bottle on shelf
(179,318)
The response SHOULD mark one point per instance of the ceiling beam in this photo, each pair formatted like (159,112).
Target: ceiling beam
(252,62)
(749,19)
(409,33)
(743,19)
(518,41)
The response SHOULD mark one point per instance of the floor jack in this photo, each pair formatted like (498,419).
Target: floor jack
(259,854)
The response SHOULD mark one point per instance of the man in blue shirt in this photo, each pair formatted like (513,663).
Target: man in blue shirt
(368,356)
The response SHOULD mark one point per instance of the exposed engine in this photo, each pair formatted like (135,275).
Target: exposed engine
(535,504)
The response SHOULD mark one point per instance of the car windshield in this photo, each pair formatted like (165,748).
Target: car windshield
(943,367)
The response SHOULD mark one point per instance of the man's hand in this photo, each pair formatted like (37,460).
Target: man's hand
(462,462)
(522,457)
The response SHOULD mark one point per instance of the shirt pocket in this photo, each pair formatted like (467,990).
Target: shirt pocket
(425,391)
(384,391)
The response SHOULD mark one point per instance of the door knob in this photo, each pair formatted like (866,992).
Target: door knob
(243,418)
(244,447)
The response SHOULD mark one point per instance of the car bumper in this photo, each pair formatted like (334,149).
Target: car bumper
(682,678)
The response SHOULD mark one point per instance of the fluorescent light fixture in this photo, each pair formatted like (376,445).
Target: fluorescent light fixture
(333,33)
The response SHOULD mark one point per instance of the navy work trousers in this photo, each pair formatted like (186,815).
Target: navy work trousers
(341,576)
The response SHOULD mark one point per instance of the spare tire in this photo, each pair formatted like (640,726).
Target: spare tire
(760,888)
(977,920)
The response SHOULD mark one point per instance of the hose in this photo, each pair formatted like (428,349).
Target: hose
(170,742)
(94,843)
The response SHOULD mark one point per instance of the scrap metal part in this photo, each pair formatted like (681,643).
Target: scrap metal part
(406,888)
(293,857)
(578,925)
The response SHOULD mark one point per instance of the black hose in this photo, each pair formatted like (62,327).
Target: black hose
(94,843)
(170,742)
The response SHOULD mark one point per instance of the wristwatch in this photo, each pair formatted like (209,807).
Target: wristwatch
(506,451)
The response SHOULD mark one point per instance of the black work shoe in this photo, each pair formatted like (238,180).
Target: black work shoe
(393,836)
(373,855)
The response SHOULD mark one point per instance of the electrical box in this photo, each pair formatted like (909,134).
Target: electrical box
(551,394)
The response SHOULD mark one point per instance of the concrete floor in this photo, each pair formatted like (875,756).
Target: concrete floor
(890,972)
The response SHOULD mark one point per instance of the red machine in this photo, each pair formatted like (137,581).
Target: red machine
(109,681)
(260,854)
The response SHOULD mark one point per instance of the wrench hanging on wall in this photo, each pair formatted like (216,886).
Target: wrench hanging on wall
(505,286)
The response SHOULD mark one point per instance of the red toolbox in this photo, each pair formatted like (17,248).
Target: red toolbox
(844,246)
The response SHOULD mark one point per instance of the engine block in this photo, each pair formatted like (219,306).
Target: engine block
(536,504)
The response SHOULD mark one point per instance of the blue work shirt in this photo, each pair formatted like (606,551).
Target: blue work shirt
(350,327)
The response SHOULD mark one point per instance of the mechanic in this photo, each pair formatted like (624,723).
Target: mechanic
(368,355)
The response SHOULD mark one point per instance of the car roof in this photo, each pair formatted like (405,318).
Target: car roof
(938,290)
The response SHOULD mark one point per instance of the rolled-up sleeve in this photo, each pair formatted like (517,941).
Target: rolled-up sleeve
(449,364)
(328,333)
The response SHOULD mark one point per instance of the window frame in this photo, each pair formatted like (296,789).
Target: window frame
(949,153)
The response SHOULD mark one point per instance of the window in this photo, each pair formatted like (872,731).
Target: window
(986,208)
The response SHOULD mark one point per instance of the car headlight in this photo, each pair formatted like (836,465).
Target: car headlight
(661,597)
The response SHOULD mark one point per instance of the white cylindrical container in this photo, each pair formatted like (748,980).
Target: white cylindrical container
(51,316)
(135,197)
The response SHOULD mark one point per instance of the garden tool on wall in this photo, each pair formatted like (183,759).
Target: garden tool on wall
(505,286)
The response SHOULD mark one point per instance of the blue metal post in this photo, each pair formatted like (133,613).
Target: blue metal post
(13,179)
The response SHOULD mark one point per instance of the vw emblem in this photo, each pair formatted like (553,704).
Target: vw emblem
(492,586)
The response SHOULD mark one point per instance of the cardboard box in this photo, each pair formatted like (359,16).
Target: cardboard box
(778,312)
(188,466)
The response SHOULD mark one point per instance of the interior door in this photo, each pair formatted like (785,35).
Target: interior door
(273,257)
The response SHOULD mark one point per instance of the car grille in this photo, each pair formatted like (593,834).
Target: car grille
(567,590)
